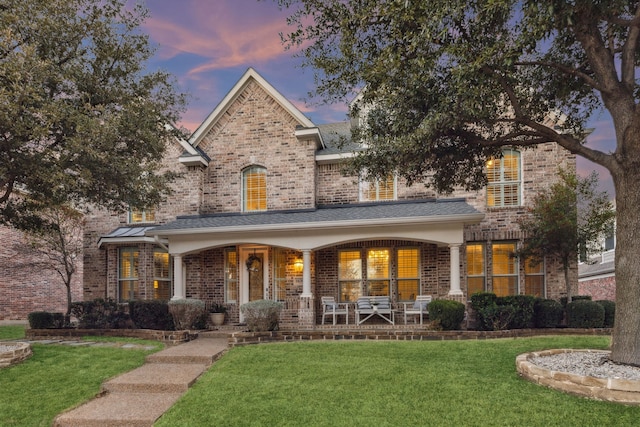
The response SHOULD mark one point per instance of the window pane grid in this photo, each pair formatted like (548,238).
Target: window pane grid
(255,189)
(161,275)
(349,275)
(503,175)
(128,274)
(475,269)
(504,267)
(231,275)
(534,278)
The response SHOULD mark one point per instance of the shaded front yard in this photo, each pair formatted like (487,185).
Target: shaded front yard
(56,378)
(360,383)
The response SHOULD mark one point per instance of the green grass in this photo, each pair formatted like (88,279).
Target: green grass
(58,377)
(12,332)
(362,383)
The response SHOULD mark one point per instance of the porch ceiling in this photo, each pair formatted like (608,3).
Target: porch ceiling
(437,221)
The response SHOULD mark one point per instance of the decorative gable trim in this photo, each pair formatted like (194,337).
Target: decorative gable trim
(248,76)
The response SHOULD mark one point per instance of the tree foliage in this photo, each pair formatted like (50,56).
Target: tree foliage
(81,120)
(568,219)
(448,83)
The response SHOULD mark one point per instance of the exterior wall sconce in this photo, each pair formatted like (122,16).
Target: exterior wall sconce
(298,265)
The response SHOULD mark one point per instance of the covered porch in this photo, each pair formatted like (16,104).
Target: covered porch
(296,253)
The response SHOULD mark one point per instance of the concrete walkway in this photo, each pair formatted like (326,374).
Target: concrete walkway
(139,397)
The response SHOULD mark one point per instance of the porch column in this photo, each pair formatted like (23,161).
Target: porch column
(306,273)
(178,278)
(454,253)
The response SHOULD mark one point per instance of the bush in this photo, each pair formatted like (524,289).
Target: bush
(101,314)
(585,314)
(523,310)
(564,300)
(262,315)
(547,313)
(609,312)
(151,314)
(449,314)
(188,313)
(46,320)
(484,304)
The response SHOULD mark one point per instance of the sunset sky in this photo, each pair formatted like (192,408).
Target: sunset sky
(208,44)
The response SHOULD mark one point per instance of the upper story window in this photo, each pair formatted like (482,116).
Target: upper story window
(254,189)
(504,176)
(371,191)
(137,216)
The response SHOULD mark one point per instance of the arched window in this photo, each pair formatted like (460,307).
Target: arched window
(503,175)
(254,189)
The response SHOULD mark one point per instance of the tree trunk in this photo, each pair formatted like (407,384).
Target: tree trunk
(626,332)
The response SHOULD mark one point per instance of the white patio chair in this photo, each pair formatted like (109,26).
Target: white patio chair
(419,307)
(332,308)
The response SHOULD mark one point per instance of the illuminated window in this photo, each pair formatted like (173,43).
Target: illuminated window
(280,263)
(503,175)
(231,275)
(408,279)
(534,278)
(504,268)
(161,275)
(378,272)
(128,274)
(137,216)
(349,275)
(254,189)
(378,190)
(475,269)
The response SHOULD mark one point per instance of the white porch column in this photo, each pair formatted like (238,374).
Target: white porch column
(306,273)
(178,278)
(454,253)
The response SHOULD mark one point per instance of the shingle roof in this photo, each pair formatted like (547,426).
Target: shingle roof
(333,134)
(426,209)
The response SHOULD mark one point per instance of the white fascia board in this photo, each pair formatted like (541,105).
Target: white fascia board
(323,159)
(233,94)
(124,240)
(313,132)
(195,160)
(443,219)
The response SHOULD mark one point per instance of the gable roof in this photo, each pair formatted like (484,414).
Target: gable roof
(247,77)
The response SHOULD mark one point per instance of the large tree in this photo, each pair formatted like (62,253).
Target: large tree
(81,119)
(450,82)
(567,220)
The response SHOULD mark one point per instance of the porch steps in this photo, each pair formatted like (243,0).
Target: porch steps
(139,397)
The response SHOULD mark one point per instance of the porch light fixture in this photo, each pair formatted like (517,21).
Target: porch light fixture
(298,265)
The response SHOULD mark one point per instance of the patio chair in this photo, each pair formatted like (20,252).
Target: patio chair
(332,308)
(419,307)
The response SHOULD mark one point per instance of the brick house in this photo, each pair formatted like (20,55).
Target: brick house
(262,211)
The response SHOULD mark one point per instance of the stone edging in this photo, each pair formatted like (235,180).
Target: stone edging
(608,389)
(167,337)
(20,351)
(246,338)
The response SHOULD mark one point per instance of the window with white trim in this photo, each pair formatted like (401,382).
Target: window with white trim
(372,191)
(504,269)
(504,180)
(230,275)
(161,274)
(408,273)
(254,189)
(128,274)
(534,278)
(139,216)
(475,269)
(349,275)
(378,278)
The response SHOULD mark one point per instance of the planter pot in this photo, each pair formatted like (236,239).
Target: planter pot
(217,319)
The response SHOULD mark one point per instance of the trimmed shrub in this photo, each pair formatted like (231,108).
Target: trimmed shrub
(564,300)
(585,314)
(151,314)
(609,312)
(547,313)
(101,314)
(449,314)
(523,310)
(46,320)
(188,313)
(262,315)
(484,304)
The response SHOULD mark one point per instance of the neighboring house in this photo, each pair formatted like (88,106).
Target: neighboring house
(26,284)
(598,277)
(262,210)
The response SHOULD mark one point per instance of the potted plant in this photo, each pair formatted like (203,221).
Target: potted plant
(217,312)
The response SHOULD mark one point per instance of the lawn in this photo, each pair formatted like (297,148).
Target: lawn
(58,377)
(382,383)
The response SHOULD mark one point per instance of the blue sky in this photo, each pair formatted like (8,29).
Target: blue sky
(208,44)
